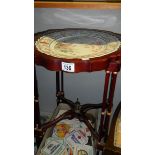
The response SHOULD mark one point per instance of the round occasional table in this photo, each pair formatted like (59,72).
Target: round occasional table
(80,50)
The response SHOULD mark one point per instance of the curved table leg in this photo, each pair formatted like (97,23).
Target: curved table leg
(86,107)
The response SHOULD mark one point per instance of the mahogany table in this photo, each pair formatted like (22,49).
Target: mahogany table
(79,50)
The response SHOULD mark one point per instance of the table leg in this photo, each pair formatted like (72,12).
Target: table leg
(110,104)
(104,102)
(59,86)
(37,123)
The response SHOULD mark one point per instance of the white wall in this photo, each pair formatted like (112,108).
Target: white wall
(88,87)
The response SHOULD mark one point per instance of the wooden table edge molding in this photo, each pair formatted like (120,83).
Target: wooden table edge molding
(78,5)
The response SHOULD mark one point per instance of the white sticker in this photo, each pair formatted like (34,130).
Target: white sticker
(68,67)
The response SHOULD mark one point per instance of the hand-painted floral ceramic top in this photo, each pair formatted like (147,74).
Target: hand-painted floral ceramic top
(78,44)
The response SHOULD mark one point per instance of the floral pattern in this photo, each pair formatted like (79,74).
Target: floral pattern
(78,44)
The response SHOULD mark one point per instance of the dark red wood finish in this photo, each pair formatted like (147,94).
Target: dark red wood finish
(110,63)
(104,102)
(109,105)
(93,64)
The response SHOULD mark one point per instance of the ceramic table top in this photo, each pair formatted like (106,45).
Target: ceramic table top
(78,44)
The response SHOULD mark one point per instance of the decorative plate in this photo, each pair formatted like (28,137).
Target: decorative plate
(78,44)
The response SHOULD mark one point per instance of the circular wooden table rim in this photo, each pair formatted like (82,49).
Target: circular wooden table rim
(93,64)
